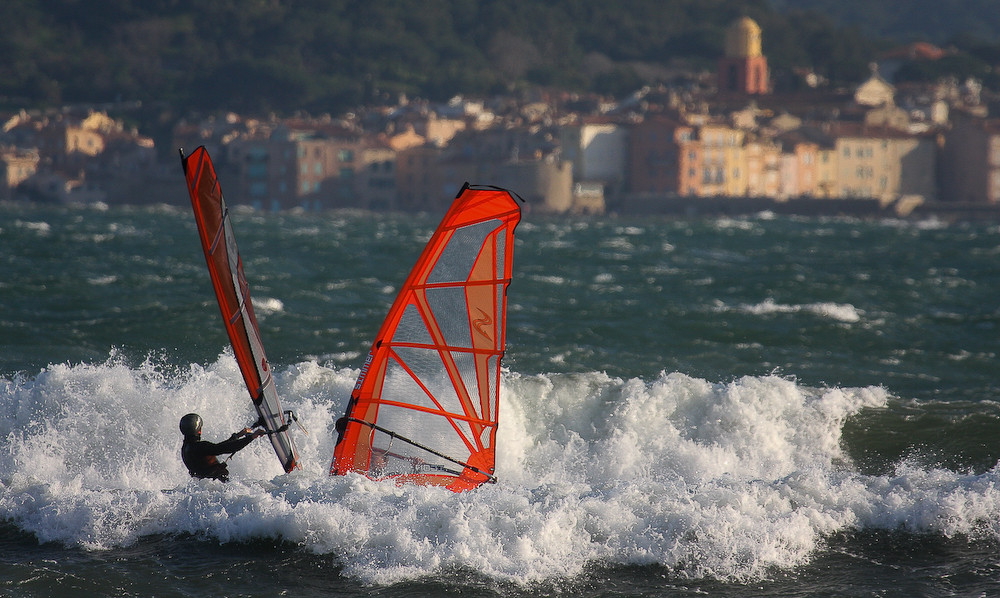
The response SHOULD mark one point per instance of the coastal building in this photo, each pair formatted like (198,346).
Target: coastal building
(16,167)
(826,172)
(884,164)
(763,168)
(743,69)
(70,144)
(419,183)
(58,187)
(405,139)
(874,91)
(723,161)
(376,184)
(970,161)
(438,130)
(75,156)
(663,157)
(546,184)
(799,169)
(597,148)
(565,153)
(294,167)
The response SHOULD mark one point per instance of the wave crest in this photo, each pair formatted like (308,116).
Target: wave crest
(719,480)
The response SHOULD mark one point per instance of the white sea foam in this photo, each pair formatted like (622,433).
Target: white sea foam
(42,228)
(268,305)
(843,312)
(102,280)
(717,480)
(549,279)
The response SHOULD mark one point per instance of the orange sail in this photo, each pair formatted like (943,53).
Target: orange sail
(226,270)
(424,409)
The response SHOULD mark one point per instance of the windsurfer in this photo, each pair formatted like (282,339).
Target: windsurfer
(200,455)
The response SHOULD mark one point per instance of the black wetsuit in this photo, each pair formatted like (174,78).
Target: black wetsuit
(199,455)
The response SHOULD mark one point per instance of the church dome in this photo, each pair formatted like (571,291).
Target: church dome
(743,39)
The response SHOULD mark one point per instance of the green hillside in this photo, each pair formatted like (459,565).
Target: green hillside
(326,55)
(936,21)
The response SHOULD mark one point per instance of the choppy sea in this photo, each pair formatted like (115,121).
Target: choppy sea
(760,406)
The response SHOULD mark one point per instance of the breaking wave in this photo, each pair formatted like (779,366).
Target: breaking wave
(709,479)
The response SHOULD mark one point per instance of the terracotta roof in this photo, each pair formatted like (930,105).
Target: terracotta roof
(914,51)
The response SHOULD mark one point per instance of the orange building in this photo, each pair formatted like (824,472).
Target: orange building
(663,157)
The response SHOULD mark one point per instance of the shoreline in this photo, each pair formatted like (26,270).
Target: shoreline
(907,207)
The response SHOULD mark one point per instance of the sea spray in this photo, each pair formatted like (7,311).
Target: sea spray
(709,479)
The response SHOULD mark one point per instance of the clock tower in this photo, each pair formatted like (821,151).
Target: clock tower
(743,69)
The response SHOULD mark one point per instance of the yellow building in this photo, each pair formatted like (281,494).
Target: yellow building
(762,168)
(826,173)
(883,163)
(16,166)
(70,145)
(723,161)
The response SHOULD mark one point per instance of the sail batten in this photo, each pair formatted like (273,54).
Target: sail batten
(229,283)
(433,373)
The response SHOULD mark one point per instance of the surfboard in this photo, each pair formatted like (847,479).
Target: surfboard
(233,293)
(424,408)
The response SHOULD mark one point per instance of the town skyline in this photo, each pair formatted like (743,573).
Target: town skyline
(718,135)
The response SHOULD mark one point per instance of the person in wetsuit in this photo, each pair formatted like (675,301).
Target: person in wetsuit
(200,456)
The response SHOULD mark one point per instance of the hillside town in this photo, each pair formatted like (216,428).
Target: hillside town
(712,141)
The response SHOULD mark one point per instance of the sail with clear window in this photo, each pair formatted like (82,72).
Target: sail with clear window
(233,293)
(424,408)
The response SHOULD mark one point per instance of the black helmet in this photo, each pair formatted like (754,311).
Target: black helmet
(191,425)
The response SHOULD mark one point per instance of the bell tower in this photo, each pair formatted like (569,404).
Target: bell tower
(743,69)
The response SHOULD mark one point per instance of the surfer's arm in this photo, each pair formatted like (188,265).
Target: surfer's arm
(235,442)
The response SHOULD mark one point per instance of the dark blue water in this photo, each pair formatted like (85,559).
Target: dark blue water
(761,406)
